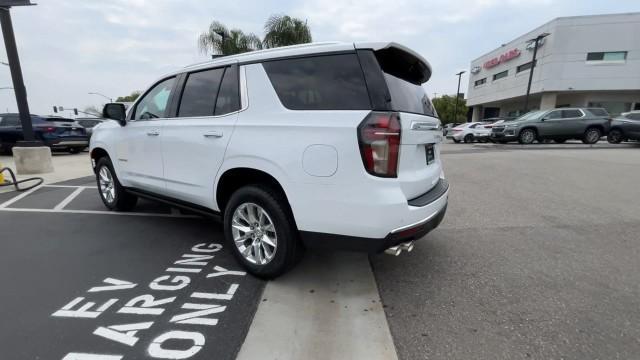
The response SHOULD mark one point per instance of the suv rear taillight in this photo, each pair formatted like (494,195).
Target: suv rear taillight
(379,139)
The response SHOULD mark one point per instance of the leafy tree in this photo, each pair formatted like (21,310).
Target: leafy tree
(445,106)
(283,30)
(129,98)
(222,41)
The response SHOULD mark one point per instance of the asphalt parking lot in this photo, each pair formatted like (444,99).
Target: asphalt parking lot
(538,257)
(152,284)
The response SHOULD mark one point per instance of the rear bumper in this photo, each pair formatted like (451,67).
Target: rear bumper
(414,231)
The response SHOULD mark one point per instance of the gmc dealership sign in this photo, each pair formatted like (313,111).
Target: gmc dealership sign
(502,58)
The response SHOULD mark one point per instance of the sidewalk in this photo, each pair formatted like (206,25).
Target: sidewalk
(66,167)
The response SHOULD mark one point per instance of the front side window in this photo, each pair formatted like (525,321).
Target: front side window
(154,104)
(10,120)
(633,116)
(557,114)
(330,82)
(199,94)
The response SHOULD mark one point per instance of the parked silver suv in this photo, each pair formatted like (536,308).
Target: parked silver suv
(560,125)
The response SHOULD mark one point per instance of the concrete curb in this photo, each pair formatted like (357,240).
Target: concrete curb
(327,308)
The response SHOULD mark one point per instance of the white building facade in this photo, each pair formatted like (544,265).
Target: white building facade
(587,61)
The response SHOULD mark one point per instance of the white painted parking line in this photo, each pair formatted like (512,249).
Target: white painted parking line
(97,212)
(19,197)
(71,186)
(68,199)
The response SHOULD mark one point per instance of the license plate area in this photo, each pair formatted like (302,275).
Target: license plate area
(430,153)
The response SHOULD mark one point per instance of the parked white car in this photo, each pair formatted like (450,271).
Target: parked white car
(296,147)
(465,132)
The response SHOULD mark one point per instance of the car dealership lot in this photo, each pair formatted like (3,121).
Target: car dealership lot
(536,258)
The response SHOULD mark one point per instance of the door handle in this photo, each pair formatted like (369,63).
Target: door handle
(213,134)
(153,133)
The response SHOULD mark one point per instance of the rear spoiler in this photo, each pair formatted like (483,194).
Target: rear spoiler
(400,61)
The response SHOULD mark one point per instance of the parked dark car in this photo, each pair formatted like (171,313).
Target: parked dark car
(625,127)
(559,125)
(56,132)
(90,123)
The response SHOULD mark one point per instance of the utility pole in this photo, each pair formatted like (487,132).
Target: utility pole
(455,112)
(533,65)
(16,71)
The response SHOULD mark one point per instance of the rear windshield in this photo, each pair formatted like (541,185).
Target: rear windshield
(408,97)
(404,75)
(329,82)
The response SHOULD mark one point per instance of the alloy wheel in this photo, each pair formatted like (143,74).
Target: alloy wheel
(254,233)
(528,136)
(107,185)
(593,136)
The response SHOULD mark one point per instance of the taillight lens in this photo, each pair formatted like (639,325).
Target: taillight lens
(379,139)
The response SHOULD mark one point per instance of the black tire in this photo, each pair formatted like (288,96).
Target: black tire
(591,136)
(468,138)
(527,136)
(121,200)
(615,136)
(502,142)
(560,141)
(288,249)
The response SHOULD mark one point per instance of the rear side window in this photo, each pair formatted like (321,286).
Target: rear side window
(10,120)
(229,95)
(330,82)
(599,112)
(199,95)
(568,114)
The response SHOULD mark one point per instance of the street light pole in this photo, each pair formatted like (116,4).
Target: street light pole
(533,65)
(16,76)
(104,96)
(455,112)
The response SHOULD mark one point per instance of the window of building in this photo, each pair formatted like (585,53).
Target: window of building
(613,107)
(154,103)
(500,75)
(199,95)
(524,67)
(481,82)
(607,56)
(332,82)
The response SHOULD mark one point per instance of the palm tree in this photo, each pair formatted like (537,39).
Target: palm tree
(283,30)
(223,41)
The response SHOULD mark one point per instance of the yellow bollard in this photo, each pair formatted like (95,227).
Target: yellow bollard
(1,176)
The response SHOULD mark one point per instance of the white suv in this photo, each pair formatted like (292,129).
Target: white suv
(331,145)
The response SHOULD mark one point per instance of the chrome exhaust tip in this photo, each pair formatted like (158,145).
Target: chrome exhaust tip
(408,246)
(394,250)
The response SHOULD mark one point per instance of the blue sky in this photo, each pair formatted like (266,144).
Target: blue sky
(71,47)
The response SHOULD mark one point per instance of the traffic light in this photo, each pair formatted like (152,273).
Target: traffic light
(75,111)
(55,109)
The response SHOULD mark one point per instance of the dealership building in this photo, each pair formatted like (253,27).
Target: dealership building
(588,61)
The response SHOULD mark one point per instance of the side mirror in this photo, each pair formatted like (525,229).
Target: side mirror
(543,119)
(115,111)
